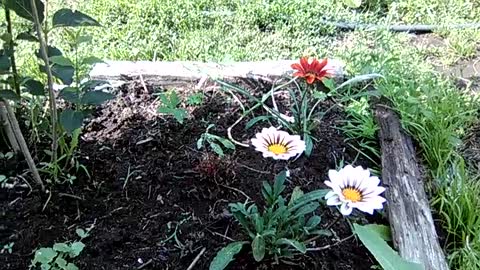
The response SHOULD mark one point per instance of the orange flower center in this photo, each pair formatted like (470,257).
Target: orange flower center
(352,194)
(277,149)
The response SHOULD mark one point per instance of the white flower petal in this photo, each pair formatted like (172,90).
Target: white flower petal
(293,144)
(335,200)
(330,194)
(346,209)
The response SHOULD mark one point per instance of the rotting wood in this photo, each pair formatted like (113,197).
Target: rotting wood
(408,208)
(183,72)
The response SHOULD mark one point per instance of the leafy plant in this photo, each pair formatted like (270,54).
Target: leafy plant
(214,141)
(373,238)
(170,103)
(281,229)
(58,257)
(195,99)
(7,248)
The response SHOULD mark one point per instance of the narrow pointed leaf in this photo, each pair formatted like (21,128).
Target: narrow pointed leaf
(295,244)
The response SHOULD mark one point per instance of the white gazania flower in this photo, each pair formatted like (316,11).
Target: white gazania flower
(278,144)
(353,187)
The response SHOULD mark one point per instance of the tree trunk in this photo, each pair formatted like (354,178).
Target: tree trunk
(408,207)
(7,127)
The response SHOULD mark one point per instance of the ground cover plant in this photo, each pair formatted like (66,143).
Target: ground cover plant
(239,174)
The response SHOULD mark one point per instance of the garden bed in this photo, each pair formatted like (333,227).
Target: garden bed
(155,200)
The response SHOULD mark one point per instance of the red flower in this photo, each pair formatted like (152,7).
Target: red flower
(311,71)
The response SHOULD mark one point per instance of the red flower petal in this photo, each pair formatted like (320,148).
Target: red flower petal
(304,63)
(310,78)
(297,67)
(298,74)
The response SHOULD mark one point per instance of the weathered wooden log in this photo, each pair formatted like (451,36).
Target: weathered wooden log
(408,208)
(187,72)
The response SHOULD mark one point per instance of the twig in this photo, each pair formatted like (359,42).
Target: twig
(237,190)
(23,145)
(229,132)
(331,245)
(51,93)
(252,169)
(143,83)
(145,264)
(48,200)
(196,259)
(71,196)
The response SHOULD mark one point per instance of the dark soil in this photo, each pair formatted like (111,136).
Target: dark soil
(148,179)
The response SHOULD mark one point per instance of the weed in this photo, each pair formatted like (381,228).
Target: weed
(170,103)
(214,141)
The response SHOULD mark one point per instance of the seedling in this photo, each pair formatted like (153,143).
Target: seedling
(214,142)
(195,99)
(170,103)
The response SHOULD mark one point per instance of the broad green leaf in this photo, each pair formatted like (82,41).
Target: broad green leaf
(382,231)
(83,39)
(4,62)
(71,120)
(6,37)
(313,222)
(51,51)
(322,232)
(296,194)
(258,221)
(77,248)
(81,233)
(96,98)
(34,87)
(383,253)
(225,255)
(174,99)
(61,60)
(179,115)
(353,3)
(71,266)
(329,83)
(255,120)
(308,144)
(64,73)
(45,266)
(279,186)
(27,37)
(258,248)
(61,262)
(297,245)
(92,84)
(10,95)
(217,149)
(23,8)
(70,94)
(44,255)
(227,143)
(67,17)
(200,143)
(62,247)
(92,60)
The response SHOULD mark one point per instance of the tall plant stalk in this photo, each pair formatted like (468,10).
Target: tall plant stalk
(11,44)
(51,93)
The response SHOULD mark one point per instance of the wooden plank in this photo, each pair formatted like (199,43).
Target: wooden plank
(187,72)
(408,208)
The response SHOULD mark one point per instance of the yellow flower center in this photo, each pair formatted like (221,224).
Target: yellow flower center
(352,194)
(277,149)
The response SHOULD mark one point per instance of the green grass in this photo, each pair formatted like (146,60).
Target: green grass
(433,111)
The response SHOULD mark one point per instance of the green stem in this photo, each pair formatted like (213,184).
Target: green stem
(16,84)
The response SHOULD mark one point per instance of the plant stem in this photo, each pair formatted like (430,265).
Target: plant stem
(16,85)
(23,145)
(53,106)
(7,126)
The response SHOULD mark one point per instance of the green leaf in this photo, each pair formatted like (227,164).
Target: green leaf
(308,144)
(279,186)
(296,194)
(200,143)
(96,98)
(315,195)
(217,149)
(313,222)
(353,3)
(258,248)
(255,120)
(64,73)
(92,60)
(51,51)
(34,87)
(67,17)
(70,94)
(227,143)
(83,39)
(195,99)
(9,95)
(179,115)
(225,255)
(62,247)
(2,178)
(27,37)
(71,120)
(383,253)
(71,266)
(319,95)
(306,209)
(61,262)
(295,244)
(81,233)
(44,256)
(382,231)
(360,78)
(4,61)
(23,8)
(61,60)
(322,232)
(77,248)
